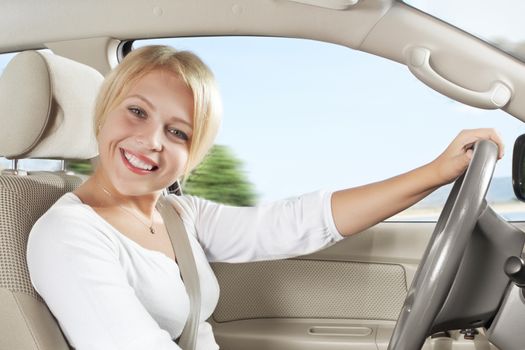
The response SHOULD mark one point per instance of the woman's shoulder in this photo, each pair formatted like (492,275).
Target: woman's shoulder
(68,208)
(186,205)
(69,220)
(191,208)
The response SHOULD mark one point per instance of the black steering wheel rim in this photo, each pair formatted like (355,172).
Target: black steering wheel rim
(437,269)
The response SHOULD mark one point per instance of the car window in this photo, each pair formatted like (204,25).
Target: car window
(302,115)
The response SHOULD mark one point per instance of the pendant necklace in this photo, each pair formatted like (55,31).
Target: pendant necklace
(150,227)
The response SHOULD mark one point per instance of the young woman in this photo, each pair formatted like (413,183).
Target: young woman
(101,257)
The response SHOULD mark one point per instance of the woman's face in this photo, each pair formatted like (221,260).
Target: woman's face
(144,142)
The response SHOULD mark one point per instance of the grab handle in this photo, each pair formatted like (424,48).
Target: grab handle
(419,64)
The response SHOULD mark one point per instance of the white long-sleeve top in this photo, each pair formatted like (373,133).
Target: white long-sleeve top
(108,292)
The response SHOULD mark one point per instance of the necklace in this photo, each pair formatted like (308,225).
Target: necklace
(150,226)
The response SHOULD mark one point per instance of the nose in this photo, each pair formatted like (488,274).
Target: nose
(151,137)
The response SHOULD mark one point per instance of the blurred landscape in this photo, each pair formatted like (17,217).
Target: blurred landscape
(500,197)
(222,178)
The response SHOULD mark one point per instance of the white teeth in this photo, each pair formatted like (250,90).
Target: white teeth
(137,163)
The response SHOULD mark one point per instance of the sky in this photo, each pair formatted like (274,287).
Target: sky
(305,115)
(488,19)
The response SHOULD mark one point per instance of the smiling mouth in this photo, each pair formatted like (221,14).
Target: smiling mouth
(135,164)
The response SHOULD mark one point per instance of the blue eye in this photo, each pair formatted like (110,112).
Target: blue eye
(178,133)
(139,112)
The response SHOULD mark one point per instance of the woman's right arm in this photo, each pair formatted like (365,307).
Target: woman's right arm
(277,230)
(75,270)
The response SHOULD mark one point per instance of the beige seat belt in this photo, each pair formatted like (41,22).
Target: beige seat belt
(188,268)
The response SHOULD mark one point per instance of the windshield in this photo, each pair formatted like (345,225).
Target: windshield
(496,22)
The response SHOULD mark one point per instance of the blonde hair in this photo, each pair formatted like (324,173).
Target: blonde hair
(207,106)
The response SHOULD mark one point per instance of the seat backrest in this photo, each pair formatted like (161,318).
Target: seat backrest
(47,105)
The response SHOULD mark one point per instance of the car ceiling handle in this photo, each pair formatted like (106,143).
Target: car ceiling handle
(419,64)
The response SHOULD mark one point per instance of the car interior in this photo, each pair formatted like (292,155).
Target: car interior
(356,294)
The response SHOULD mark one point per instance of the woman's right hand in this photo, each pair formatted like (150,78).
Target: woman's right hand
(453,162)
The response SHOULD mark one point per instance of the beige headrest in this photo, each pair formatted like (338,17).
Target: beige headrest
(46,107)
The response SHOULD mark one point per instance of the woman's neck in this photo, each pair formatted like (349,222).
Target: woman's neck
(99,191)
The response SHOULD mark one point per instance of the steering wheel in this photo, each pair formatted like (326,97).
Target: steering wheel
(439,265)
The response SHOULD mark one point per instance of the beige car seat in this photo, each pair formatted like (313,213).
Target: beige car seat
(47,106)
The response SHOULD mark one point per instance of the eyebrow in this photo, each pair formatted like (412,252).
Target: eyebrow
(146,101)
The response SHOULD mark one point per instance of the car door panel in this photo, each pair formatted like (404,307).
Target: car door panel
(345,296)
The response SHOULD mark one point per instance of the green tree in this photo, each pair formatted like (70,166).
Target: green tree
(220,178)
(79,166)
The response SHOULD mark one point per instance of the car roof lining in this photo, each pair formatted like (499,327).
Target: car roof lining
(62,21)
(381,27)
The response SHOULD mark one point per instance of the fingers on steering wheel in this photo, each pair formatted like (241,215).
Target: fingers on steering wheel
(469,152)
(488,134)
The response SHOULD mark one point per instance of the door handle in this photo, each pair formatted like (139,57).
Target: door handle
(340,331)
